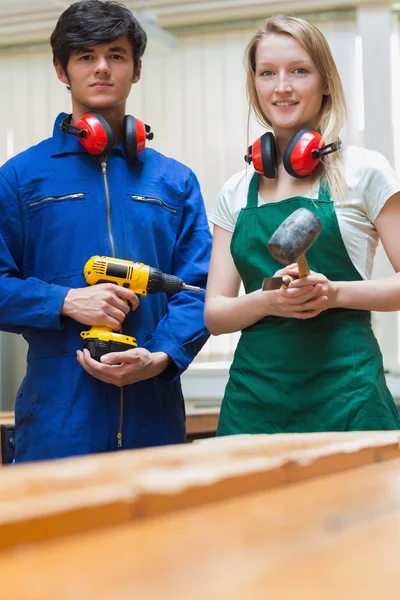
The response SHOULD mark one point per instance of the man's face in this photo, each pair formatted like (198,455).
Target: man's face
(101,76)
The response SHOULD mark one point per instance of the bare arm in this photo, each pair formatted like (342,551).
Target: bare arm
(379,294)
(226,312)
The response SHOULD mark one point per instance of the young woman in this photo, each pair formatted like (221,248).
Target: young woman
(307,359)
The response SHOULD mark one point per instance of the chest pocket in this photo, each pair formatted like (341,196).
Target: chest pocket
(60,231)
(153,222)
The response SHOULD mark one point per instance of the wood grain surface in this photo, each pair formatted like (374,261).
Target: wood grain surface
(335,537)
(6,418)
(47,500)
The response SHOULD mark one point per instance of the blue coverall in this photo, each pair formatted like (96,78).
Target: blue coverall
(56,214)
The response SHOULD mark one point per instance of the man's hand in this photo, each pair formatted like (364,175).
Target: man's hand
(123,368)
(104,305)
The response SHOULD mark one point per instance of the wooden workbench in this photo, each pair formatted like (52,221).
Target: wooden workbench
(7,442)
(294,517)
(200,423)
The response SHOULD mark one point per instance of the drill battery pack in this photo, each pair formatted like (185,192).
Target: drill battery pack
(100,341)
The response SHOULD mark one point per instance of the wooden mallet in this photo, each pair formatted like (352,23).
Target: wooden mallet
(294,237)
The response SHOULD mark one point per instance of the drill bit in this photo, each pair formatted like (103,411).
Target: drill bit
(192,288)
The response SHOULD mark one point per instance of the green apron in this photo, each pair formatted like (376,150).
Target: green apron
(290,375)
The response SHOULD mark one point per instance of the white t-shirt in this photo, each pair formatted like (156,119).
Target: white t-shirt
(371,181)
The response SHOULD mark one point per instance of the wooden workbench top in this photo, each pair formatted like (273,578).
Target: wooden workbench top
(198,420)
(335,537)
(7,418)
(201,421)
(45,500)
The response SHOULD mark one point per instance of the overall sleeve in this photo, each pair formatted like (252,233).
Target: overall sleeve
(24,303)
(182,333)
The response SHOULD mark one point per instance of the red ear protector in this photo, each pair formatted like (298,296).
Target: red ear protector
(135,134)
(97,137)
(302,154)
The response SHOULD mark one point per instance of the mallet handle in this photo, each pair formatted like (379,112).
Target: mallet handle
(304,269)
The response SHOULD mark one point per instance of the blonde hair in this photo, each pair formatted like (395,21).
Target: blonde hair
(333,113)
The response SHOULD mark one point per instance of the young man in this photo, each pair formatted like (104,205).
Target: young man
(60,205)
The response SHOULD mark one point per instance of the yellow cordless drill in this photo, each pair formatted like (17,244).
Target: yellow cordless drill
(135,276)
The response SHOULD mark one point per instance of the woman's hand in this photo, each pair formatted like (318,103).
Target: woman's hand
(327,289)
(303,301)
(288,270)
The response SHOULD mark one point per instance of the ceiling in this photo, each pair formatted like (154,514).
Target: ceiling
(31,21)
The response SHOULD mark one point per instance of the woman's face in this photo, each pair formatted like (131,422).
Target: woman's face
(289,87)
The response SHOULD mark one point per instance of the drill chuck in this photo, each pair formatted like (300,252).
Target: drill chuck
(162,282)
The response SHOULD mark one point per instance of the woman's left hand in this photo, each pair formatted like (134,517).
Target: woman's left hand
(329,288)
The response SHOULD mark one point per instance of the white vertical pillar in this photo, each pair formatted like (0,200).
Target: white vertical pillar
(13,350)
(374,21)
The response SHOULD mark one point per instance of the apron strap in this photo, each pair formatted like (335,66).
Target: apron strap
(323,192)
(252,194)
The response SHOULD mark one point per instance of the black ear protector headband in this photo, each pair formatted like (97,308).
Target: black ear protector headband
(302,154)
(97,137)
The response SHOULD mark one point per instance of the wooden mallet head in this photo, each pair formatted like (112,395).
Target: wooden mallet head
(294,237)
